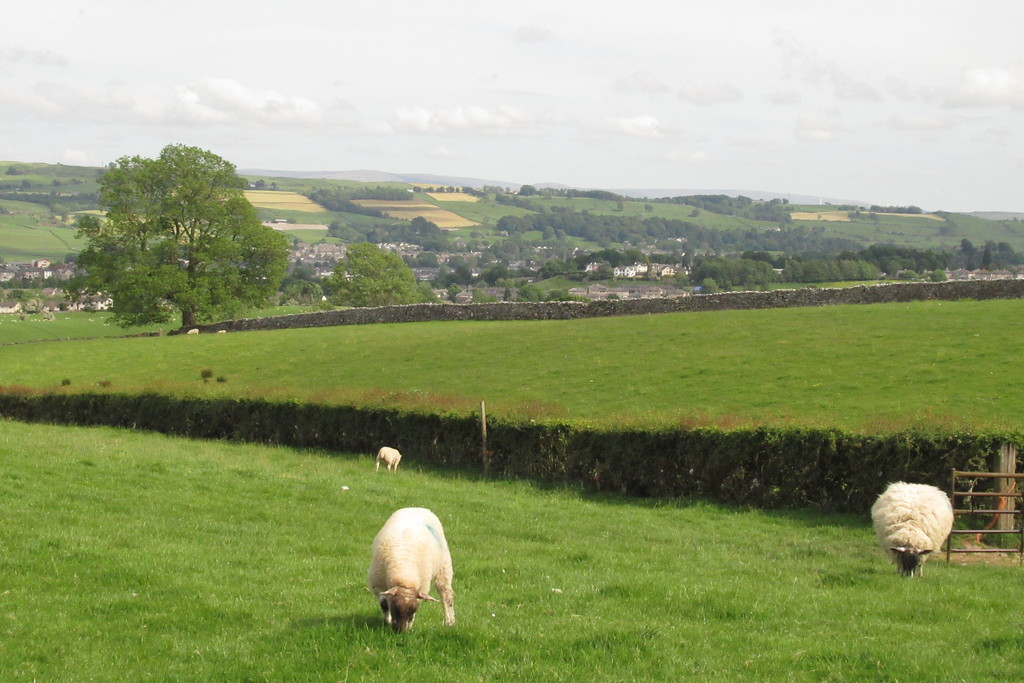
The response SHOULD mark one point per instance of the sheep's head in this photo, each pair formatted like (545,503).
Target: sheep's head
(399,605)
(909,560)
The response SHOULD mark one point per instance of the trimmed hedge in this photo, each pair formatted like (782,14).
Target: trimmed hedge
(763,466)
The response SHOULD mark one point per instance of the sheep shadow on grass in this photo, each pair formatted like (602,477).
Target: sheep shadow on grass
(362,620)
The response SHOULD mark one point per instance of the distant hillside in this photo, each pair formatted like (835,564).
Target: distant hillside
(461,181)
(641,193)
(382,177)
(998,215)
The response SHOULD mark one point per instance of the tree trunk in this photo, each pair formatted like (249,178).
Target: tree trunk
(188,317)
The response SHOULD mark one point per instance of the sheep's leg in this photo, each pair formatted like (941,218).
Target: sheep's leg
(443,582)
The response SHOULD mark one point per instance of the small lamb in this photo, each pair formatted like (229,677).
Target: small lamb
(410,552)
(911,521)
(390,456)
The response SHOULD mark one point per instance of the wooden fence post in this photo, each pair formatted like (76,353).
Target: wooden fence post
(485,453)
(1007,465)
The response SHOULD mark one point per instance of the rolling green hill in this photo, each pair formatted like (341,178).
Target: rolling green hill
(63,190)
(28,231)
(869,367)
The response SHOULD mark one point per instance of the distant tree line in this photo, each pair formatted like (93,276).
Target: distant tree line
(342,198)
(58,204)
(418,231)
(992,256)
(775,210)
(895,209)
(607,230)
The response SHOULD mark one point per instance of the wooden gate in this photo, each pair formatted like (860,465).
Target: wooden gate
(998,502)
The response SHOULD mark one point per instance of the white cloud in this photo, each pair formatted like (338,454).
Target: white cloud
(641,81)
(532,34)
(989,87)
(18,55)
(806,65)
(706,95)
(222,100)
(920,122)
(473,120)
(443,153)
(691,157)
(16,101)
(784,97)
(819,127)
(994,136)
(643,126)
(75,157)
(210,101)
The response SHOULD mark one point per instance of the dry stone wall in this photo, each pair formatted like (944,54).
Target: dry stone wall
(565,310)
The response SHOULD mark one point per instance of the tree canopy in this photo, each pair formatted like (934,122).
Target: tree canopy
(179,237)
(369,276)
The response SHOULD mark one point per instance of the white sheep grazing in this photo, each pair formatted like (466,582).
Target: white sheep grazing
(410,552)
(194,330)
(390,456)
(911,521)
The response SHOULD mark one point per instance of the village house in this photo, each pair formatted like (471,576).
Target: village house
(40,269)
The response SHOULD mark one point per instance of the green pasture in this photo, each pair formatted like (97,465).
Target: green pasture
(312,236)
(869,367)
(485,211)
(303,185)
(69,325)
(18,328)
(924,233)
(31,236)
(68,179)
(132,556)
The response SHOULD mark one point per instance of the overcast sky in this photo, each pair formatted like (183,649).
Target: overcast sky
(908,102)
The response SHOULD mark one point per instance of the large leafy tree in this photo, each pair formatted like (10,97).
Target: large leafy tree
(368,276)
(179,237)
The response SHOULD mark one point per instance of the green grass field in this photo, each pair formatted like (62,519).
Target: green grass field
(83,325)
(131,556)
(28,232)
(77,325)
(868,368)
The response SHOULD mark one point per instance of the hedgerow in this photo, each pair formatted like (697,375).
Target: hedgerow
(774,467)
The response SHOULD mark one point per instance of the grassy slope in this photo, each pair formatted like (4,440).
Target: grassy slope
(29,233)
(130,556)
(853,366)
(905,231)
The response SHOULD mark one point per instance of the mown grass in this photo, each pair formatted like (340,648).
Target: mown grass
(131,556)
(18,328)
(873,367)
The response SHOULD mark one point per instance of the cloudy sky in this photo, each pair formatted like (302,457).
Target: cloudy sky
(910,102)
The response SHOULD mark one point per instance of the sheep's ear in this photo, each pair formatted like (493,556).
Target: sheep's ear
(926,552)
(424,596)
(390,591)
(899,549)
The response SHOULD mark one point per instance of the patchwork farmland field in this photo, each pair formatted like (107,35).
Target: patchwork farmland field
(284,201)
(844,216)
(412,208)
(452,197)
